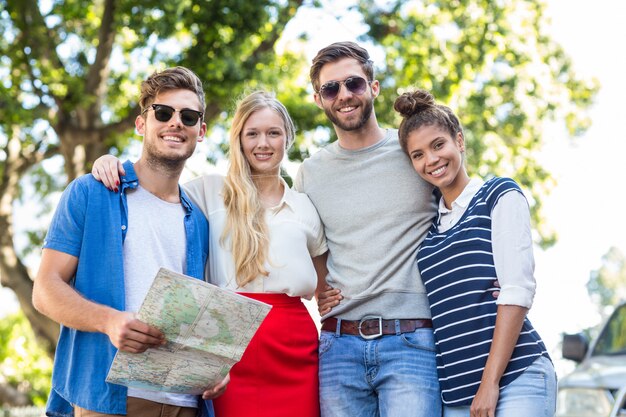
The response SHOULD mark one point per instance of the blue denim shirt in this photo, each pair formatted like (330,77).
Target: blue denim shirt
(90,223)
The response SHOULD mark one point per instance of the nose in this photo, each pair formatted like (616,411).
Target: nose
(176,120)
(431,158)
(343,92)
(262,141)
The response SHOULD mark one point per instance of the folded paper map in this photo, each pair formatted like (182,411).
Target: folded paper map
(207,330)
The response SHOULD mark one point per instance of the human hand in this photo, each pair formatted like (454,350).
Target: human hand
(328,298)
(496,293)
(217,390)
(107,169)
(129,334)
(485,401)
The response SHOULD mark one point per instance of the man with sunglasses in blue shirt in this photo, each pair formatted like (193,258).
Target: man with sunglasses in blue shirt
(103,249)
(377,351)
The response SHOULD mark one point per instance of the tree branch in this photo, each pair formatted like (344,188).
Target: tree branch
(35,34)
(122,126)
(99,72)
(13,273)
(12,397)
(284,16)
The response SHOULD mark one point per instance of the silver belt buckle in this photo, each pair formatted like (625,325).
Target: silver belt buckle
(380,327)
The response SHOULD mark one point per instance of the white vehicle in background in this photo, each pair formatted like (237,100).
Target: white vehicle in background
(597,387)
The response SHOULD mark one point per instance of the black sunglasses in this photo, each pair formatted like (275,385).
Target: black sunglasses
(355,85)
(164,113)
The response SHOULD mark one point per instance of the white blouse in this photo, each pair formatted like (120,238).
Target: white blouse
(511,239)
(296,235)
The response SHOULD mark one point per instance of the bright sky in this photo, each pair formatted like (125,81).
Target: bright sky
(582,207)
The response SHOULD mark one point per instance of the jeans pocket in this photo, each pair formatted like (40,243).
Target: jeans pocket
(420,339)
(540,370)
(326,341)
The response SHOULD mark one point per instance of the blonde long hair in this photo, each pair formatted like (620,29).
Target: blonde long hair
(245,230)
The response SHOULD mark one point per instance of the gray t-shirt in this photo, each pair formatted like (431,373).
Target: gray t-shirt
(376,210)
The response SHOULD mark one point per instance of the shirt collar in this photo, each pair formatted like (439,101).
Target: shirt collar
(288,199)
(463,200)
(131,181)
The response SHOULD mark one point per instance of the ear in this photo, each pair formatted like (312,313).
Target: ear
(375,88)
(318,100)
(460,141)
(202,132)
(140,125)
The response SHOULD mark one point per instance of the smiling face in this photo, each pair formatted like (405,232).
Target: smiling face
(171,142)
(348,111)
(263,141)
(438,158)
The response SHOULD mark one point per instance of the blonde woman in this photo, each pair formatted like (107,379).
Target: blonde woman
(263,238)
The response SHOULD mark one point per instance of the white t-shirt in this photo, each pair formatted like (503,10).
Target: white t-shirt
(296,235)
(155,238)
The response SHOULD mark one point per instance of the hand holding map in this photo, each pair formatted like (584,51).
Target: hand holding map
(206,328)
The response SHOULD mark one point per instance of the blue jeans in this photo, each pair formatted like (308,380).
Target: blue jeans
(391,376)
(533,393)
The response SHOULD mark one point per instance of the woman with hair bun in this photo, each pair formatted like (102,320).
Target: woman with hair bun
(490,360)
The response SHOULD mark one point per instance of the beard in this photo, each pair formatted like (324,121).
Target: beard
(367,109)
(172,162)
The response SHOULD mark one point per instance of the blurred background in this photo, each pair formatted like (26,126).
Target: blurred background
(538,85)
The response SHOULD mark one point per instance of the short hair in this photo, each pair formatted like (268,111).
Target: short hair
(174,78)
(335,52)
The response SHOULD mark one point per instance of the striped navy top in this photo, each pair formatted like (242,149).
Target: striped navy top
(458,271)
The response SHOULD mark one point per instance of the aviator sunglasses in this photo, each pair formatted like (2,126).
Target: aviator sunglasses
(355,85)
(164,113)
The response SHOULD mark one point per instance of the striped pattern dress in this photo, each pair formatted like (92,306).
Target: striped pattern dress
(458,271)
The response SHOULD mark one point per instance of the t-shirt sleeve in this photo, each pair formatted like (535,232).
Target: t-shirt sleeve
(317,240)
(298,183)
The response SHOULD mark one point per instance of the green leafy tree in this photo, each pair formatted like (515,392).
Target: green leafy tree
(25,368)
(606,284)
(493,64)
(70,79)
(70,74)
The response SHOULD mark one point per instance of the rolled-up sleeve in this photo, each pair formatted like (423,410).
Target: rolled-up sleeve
(513,250)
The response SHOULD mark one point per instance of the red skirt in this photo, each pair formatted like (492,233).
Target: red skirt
(277,375)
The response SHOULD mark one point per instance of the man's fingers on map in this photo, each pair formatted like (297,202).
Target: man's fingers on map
(132,346)
(146,333)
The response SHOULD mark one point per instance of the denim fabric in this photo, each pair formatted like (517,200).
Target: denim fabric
(533,393)
(90,223)
(389,376)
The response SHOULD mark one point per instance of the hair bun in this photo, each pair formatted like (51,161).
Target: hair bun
(414,102)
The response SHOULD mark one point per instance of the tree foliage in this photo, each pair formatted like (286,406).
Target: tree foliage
(493,64)
(70,73)
(70,80)
(606,284)
(25,368)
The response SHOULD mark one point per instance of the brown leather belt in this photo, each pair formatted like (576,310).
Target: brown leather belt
(372,327)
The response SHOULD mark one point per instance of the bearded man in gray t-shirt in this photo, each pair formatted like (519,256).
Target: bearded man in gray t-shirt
(377,351)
